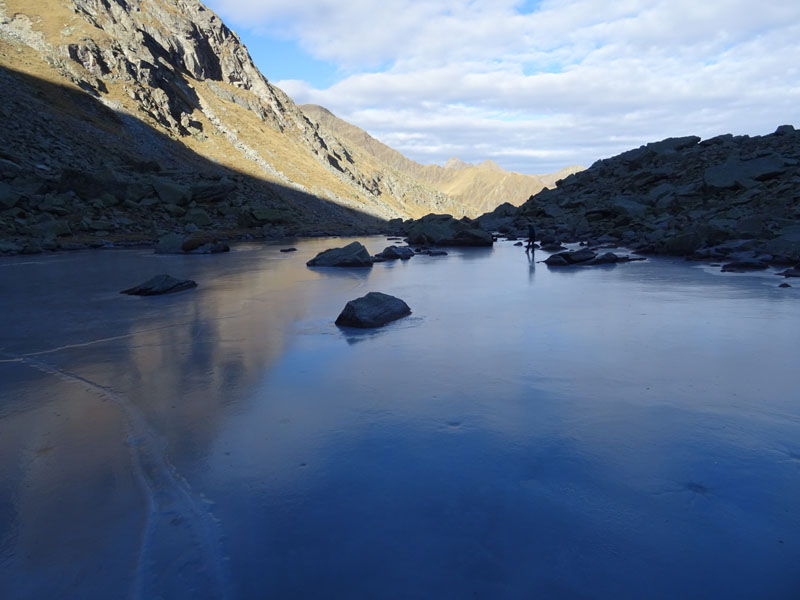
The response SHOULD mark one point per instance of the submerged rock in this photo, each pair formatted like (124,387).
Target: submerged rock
(160,284)
(373,310)
(352,255)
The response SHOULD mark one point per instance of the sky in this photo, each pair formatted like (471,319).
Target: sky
(532,85)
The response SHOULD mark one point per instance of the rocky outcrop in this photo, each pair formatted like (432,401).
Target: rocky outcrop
(160,284)
(373,310)
(711,199)
(444,230)
(352,255)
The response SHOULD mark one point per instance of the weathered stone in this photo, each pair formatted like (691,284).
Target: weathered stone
(373,310)
(394,252)
(171,192)
(671,145)
(160,284)
(444,230)
(55,228)
(8,196)
(8,247)
(198,216)
(174,210)
(743,173)
(793,272)
(172,243)
(204,244)
(742,266)
(607,258)
(288,249)
(556,260)
(352,255)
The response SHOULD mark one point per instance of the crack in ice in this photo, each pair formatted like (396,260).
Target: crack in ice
(171,504)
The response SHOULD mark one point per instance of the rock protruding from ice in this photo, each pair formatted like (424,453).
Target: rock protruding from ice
(352,255)
(160,284)
(373,310)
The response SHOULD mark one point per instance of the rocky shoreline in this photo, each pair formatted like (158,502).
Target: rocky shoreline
(728,199)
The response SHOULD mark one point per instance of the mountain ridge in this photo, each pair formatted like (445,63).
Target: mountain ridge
(478,188)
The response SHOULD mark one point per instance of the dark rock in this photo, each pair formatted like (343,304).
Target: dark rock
(743,266)
(352,255)
(519,244)
(785,285)
(556,260)
(8,196)
(444,230)
(160,284)
(373,310)
(288,249)
(178,243)
(671,145)
(394,252)
(607,258)
(579,256)
(793,272)
(435,252)
(740,173)
(570,258)
(204,244)
(7,247)
(213,192)
(198,216)
(552,247)
(172,243)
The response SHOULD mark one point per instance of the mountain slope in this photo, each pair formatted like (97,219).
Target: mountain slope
(165,81)
(476,188)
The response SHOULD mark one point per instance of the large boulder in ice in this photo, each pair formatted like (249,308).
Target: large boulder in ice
(444,230)
(352,255)
(395,252)
(373,310)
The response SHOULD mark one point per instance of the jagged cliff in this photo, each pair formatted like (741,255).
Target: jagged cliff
(132,96)
(475,188)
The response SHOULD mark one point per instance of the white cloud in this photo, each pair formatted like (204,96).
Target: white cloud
(571,82)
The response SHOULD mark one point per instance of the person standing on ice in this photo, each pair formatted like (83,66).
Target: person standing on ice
(531,237)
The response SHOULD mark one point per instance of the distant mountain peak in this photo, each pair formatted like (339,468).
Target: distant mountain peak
(457,163)
(489,164)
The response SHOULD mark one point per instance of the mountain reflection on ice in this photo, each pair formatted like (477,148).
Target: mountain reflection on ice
(623,432)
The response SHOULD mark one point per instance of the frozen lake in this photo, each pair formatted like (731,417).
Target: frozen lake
(605,432)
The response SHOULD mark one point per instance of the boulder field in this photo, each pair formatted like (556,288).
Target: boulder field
(728,197)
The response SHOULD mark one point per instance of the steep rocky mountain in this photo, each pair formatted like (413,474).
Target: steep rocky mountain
(725,198)
(476,188)
(131,118)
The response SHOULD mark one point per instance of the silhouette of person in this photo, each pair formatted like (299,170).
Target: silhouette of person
(531,237)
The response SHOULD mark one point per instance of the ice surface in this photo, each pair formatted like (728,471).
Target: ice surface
(614,432)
